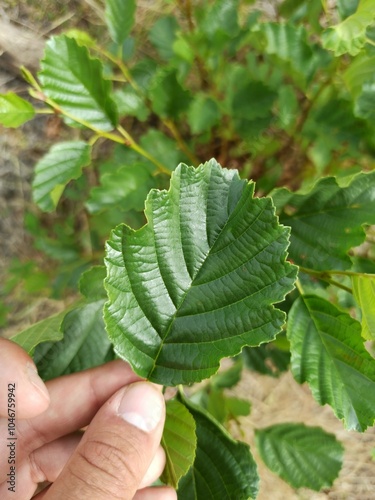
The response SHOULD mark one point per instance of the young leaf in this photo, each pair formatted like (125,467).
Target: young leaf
(197,282)
(63,162)
(223,468)
(72,79)
(350,35)
(179,442)
(14,111)
(328,353)
(327,221)
(119,16)
(85,344)
(46,330)
(364,294)
(129,103)
(303,456)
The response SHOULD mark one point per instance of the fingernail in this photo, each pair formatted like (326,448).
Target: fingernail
(142,406)
(36,381)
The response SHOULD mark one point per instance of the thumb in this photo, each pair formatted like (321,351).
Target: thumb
(117,448)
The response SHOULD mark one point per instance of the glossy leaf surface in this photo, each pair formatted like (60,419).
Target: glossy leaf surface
(223,468)
(303,456)
(327,221)
(198,281)
(74,81)
(328,353)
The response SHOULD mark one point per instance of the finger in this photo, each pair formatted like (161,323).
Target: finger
(75,399)
(117,448)
(156,493)
(155,470)
(44,465)
(21,382)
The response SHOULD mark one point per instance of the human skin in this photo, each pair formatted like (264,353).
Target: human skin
(119,454)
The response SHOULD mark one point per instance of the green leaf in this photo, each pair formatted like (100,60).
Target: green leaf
(347,7)
(63,162)
(73,80)
(327,221)
(81,37)
(14,111)
(126,187)
(129,103)
(360,80)
(203,114)
(162,35)
(253,100)
(266,359)
(168,97)
(350,35)
(364,294)
(228,378)
(91,283)
(220,18)
(198,281)
(120,16)
(303,456)
(328,353)
(223,468)
(179,442)
(289,43)
(85,344)
(46,330)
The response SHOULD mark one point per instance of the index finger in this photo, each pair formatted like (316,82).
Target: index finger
(20,384)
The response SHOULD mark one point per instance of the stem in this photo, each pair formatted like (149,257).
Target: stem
(180,141)
(167,122)
(326,276)
(136,147)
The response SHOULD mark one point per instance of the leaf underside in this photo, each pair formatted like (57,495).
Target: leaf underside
(198,281)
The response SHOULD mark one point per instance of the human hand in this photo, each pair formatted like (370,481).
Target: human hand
(118,456)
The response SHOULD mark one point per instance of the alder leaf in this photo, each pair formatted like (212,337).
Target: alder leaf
(119,17)
(14,111)
(364,294)
(223,468)
(349,36)
(328,353)
(327,221)
(46,330)
(303,456)
(74,81)
(179,442)
(63,162)
(198,281)
(84,344)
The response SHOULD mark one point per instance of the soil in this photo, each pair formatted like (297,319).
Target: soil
(273,400)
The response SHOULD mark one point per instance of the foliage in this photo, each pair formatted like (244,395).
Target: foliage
(203,267)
